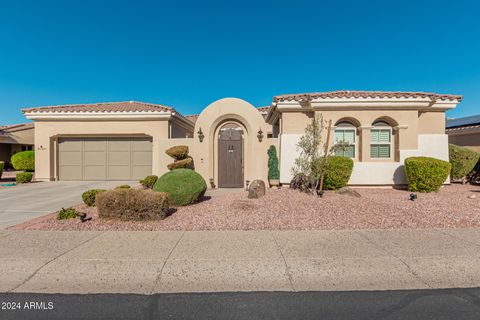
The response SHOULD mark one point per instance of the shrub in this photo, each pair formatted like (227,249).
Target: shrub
(24,177)
(132,204)
(89,196)
(64,214)
(24,160)
(463,161)
(273,172)
(149,181)
(183,186)
(426,174)
(2,165)
(178,152)
(337,172)
(123,186)
(181,164)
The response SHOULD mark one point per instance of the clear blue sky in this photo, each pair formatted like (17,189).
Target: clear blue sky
(188,54)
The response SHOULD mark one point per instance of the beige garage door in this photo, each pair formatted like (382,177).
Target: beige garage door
(112,158)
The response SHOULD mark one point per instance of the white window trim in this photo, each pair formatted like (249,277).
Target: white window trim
(382,143)
(354,144)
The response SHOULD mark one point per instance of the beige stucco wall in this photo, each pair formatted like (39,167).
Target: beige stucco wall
(469,138)
(431,122)
(47,133)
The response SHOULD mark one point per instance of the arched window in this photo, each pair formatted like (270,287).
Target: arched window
(345,133)
(381,140)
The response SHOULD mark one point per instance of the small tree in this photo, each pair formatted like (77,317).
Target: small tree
(273,172)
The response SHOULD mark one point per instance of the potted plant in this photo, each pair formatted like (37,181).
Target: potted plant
(273,172)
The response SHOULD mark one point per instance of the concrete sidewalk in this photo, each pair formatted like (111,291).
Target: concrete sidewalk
(212,261)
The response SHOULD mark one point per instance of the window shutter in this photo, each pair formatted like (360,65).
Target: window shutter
(349,152)
(373,151)
(374,135)
(338,135)
(383,135)
(349,136)
(384,151)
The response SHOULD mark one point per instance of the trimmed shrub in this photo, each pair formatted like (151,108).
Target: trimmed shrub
(181,164)
(132,204)
(123,186)
(463,161)
(337,172)
(183,186)
(426,174)
(89,196)
(178,152)
(2,165)
(65,214)
(149,181)
(273,172)
(24,160)
(24,177)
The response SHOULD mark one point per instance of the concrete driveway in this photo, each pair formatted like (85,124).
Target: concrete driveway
(24,202)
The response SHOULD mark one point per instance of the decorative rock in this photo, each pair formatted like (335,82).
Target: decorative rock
(472,196)
(346,191)
(256,189)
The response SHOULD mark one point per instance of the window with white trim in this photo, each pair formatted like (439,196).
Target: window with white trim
(345,132)
(381,140)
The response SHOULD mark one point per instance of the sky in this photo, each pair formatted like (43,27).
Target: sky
(187,54)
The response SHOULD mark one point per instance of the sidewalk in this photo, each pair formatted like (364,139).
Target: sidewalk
(177,261)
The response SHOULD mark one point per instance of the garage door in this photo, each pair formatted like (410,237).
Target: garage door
(112,158)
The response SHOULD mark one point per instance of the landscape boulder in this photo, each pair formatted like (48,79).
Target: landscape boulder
(256,189)
(346,191)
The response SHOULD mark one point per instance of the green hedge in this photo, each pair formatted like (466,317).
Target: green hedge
(24,160)
(90,196)
(2,165)
(337,172)
(24,177)
(463,161)
(426,174)
(65,214)
(183,186)
(149,181)
(273,172)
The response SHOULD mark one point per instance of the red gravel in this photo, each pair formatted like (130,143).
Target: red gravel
(290,209)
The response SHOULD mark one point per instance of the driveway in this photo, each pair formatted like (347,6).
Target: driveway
(24,202)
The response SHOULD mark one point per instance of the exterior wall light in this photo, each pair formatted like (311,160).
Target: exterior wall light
(200,135)
(260,135)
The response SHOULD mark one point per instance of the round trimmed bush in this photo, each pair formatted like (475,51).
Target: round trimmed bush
(177,152)
(90,196)
(24,160)
(186,163)
(463,161)
(24,177)
(425,174)
(337,172)
(183,186)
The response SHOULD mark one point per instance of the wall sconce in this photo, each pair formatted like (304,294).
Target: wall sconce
(260,135)
(200,135)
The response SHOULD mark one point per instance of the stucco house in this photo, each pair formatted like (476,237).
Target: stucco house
(464,132)
(229,138)
(15,138)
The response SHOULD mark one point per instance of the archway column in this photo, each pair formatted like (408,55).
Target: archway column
(364,150)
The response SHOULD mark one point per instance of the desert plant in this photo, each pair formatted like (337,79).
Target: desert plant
(186,163)
(149,181)
(65,214)
(463,161)
(181,159)
(183,186)
(177,152)
(426,174)
(89,196)
(123,186)
(132,204)
(337,173)
(2,165)
(24,160)
(23,177)
(273,172)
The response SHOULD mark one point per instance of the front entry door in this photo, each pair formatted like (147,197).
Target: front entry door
(230,159)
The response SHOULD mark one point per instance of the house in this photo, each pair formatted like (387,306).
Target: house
(229,139)
(15,138)
(464,132)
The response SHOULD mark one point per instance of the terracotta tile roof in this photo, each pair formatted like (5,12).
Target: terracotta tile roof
(193,117)
(124,106)
(263,109)
(365,94)
(16,127)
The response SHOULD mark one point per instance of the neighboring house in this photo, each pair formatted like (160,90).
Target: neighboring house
(229,139)
(15,138)
(464,132)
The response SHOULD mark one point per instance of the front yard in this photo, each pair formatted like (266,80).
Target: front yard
(454,206)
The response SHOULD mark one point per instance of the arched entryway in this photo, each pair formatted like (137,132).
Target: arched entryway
(230,156)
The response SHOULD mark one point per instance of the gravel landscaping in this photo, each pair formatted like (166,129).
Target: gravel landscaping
(454,206)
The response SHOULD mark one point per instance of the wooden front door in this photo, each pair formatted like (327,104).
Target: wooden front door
(230,159)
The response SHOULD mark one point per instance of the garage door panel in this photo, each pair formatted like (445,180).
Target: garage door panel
(119,158)
(93,144)
(140,172)
(70,145)
(118,144)
(119,173)
(71,173)
(95,173)
(95,158)
(69,158)
(142,158)
(141,145)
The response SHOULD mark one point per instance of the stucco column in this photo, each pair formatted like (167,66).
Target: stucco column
(364,137)
(401,141)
